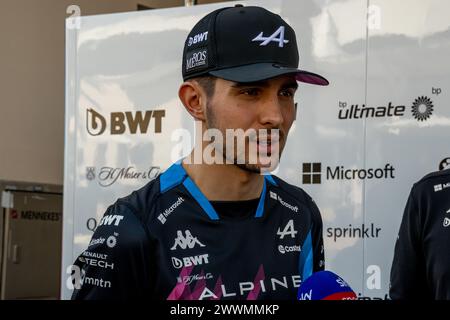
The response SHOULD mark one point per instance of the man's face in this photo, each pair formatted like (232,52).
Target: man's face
(267,104)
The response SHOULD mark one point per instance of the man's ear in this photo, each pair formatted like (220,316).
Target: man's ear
(193,98)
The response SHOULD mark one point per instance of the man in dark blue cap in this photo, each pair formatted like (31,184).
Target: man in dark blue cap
(216,225)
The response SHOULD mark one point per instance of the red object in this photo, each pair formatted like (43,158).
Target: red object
(14,214)
(341,296)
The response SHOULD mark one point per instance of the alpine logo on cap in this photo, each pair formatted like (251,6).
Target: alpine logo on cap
(273,38)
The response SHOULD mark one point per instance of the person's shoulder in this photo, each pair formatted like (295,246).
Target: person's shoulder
(127,213)
(433,182)
(140,201)
(436,175)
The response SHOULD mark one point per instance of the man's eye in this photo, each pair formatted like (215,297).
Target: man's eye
(250,91)
(287,93)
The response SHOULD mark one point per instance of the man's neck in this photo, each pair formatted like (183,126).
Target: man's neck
(225,182)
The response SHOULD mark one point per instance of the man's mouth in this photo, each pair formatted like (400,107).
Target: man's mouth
(267,145)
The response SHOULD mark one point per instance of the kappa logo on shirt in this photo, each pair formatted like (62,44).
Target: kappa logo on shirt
(188,241)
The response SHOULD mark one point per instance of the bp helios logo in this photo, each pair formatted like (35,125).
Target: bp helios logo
(421,109)
(119,122)
(314,172)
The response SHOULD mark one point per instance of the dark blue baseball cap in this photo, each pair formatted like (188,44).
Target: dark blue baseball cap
(244,44)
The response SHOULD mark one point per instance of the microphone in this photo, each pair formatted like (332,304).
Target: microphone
(325,285)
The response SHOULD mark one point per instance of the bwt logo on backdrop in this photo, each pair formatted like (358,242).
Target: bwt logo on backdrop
(119,122)
(421,109)
(312,173)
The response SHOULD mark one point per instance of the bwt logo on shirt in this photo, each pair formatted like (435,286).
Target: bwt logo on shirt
(186,242)
(135,122)
(111,219)
(190,261)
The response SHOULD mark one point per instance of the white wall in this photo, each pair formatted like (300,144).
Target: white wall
(32,44)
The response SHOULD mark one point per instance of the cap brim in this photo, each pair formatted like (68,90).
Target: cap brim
(264,71)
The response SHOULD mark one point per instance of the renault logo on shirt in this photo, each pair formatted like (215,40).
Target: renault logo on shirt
(188,241)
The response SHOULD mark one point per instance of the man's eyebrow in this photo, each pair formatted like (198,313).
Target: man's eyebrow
(264,83)
(290,84)
(250,84)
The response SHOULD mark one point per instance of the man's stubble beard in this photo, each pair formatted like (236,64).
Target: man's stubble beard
(211,123)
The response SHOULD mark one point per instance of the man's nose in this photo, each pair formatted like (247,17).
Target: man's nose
(270,112)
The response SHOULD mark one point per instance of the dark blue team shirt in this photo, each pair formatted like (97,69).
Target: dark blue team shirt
(166,241)
(421,265)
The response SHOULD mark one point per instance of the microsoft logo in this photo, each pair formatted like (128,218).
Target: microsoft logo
(312,173)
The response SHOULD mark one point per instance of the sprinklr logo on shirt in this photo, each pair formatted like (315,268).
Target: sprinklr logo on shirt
(186,242)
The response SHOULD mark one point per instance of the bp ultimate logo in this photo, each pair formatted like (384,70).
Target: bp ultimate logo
(317,173)
(421,109)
